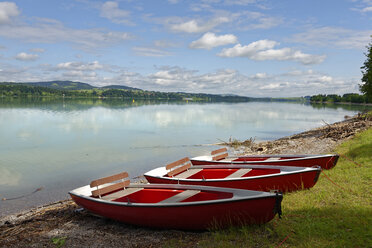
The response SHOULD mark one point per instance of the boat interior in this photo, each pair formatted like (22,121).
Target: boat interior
(221,155)
(182,169)
(123,191)
(257,158)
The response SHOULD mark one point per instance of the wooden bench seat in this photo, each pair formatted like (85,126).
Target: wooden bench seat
(120,194)
(219,154)
(188,173)
(239,173)
(178,166)
(104,186)
(181,196)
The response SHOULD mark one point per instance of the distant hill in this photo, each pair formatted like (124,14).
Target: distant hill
(70,85)
(70,89)
(120,87)
(62,85)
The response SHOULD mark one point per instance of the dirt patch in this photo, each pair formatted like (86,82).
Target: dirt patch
(64,224)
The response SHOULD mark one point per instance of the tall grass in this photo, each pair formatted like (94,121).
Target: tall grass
(331,214)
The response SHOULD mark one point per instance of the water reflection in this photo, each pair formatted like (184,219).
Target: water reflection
(61,145)
(8,177)
(76,104)
(343,106)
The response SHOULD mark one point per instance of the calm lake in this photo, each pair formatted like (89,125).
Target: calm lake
(62,144)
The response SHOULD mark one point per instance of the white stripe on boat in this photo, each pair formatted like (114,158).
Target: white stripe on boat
(272,159)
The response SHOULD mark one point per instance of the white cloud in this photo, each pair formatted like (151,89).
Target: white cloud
(249,20)
(334,37)
(80,66)
(239,2)
(230,2)
(150,52)
(273,86)
(111,11)
(260,75)
(210,40)
(157,49)
(223,79)
(52,31)
(80,75)
(289,54)
(265,23)
(37,50)
(7,11)
(174,77)
(165,77)
(164,43)
(260,85)
(249,50)
(180,79)
(241,20)
(26,56)
(263,50)
(193,26)
(363,6)
(301,83)
(200,6)
(367,9)
(325,79)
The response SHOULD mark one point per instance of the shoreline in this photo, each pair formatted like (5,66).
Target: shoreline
(251,99)
(344,103)
(66,221)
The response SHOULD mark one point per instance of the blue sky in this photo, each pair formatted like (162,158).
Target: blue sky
(246,47)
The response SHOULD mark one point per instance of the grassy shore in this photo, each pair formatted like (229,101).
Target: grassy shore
(335,213)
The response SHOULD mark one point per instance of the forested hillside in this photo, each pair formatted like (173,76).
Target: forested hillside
(28,90)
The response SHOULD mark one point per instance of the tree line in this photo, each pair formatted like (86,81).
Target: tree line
(346,98)
(22,90)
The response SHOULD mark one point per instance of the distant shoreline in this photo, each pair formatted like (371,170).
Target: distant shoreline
(69,89)
(345,103)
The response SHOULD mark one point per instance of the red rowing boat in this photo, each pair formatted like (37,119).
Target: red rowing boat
(252,177)
(170,206)
(221,157)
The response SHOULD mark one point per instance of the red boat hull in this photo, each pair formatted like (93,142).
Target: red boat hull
(325,162)
(282,183)
(194,217)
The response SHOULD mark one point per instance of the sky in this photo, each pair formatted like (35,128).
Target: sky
(256,48)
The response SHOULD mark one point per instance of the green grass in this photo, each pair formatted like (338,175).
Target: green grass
(59,241)
(324,216)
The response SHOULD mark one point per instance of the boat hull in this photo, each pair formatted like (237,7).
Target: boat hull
(201,215)
(324,161)
(280,182)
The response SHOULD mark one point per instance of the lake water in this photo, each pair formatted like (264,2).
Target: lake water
(60,145)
